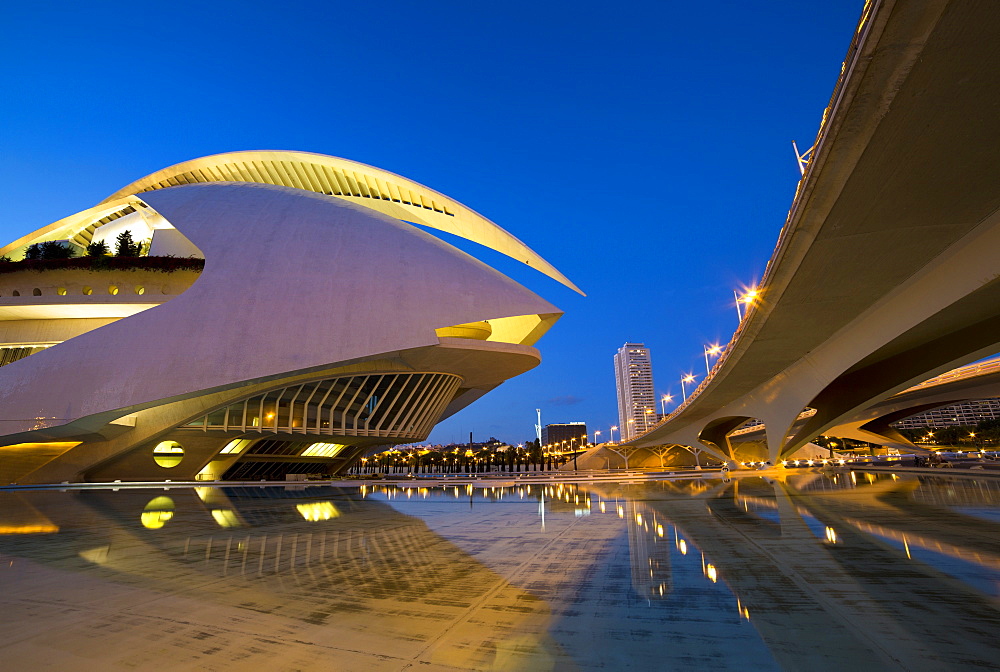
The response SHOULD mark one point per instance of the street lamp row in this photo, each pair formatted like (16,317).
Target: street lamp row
(749,298)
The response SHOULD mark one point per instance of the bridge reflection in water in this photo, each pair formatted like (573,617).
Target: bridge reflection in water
(807,572)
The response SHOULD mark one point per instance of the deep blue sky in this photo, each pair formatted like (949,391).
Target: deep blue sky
(642,148)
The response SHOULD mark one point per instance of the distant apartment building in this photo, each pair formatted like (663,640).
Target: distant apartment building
(967,413)
(636,399)
(573,433)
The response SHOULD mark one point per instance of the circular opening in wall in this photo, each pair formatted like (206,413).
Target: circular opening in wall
(61,291)
(157,512)
(140,290)
(168,454)
(36,292)
(88,291)
(112,289)
(16,293)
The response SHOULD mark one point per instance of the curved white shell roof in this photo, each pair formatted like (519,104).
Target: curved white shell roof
(371,187)
(293,281)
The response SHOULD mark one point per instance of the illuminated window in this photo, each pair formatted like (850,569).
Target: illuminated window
(236,446)
(323,450)
(168,454)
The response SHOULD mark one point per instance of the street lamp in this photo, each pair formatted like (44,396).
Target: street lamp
(713,350)
(687,378)
(645,420)
(631,421)
(748,298)
(663,402)
(597,433)
(611,433)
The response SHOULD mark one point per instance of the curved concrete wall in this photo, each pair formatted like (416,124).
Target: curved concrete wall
(293,281)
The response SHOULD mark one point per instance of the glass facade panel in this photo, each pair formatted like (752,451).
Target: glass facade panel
(235,419)
(269,409)
(217,418)
(394,404)
(285,407)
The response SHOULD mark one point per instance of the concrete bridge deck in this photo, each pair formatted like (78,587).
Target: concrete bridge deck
(885,272)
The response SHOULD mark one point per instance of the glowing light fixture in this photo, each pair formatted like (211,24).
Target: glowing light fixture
(236,446)
(686,378)
(323,450)
(317,511)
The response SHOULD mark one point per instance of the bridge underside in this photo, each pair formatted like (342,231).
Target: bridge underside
(885,274)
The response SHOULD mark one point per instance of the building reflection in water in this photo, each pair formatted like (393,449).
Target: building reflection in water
(808,572)
(264,572)
(876,571)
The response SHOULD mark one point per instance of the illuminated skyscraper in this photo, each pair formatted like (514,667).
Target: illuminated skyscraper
(634,379)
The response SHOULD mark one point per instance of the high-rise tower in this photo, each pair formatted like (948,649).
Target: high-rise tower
(636,400)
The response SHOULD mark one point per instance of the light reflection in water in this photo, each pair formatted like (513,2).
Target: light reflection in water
(157,513)
(493,589)
(316,511)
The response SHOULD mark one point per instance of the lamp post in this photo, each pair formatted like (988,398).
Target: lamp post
(713,350)
(645,420)
(611,433)
(687,378)
(747,298)
(663,402)
(597,433)
(631,421)
(572,447)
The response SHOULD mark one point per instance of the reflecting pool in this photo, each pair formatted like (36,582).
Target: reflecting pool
(804,572)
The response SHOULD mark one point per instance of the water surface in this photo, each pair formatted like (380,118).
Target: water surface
(805,573)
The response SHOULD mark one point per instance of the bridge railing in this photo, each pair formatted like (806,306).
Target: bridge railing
(846,70)
(970,371)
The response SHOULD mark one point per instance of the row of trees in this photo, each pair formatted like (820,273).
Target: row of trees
(125,246)
(984,433)
(460,459)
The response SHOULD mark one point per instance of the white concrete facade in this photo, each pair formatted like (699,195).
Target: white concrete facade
(298,288)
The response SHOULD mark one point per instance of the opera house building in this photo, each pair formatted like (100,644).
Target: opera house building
(280,313)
